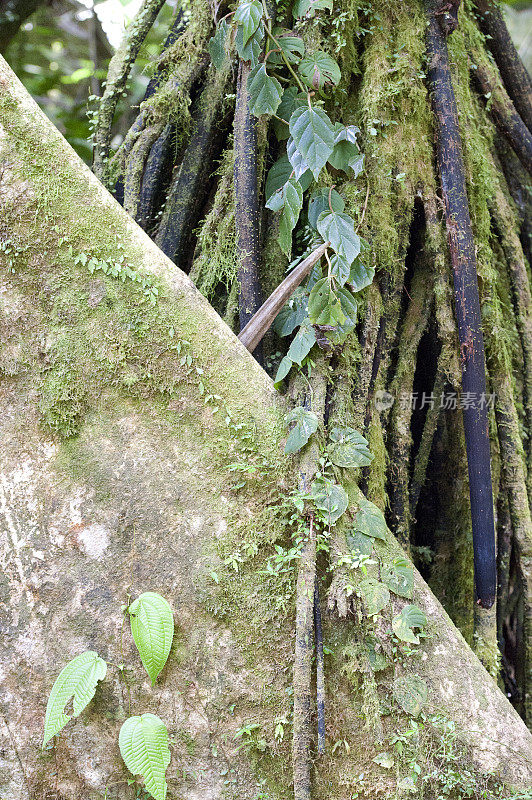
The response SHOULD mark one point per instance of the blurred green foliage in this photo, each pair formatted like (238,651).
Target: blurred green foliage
(61,55)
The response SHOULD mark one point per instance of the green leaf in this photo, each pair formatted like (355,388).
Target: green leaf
(307,8)
(264,91)
(306,423)
(319,202)
(319,70)
(303,342)
(280,173)
(339,229)
(283,369)
(291,46)
(329,497)
(76,681)
(324,306)
(359,543)
(299,165)
(349,308)
(143,743)
(410,692)
(152,626)
(374,594)
(346,154)
(399,578)
(360,276)
(252,49)
(248,15)
(292,314)
(291,100)
(340,269)
(377,659)
(288,200)
(217,50)
(370,520)
(402,624)
(313,134)
(348,448)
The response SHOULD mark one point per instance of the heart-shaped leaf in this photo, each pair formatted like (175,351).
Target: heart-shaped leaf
(251,50)
(152,626)
(143,743)
(292,47)
(360,276)
(306,423)
(313,134)
(248,14)
(399,578)
(264,91)
(348,448)
(329,497)
(323,200)
(77,682)
(339,229)
(374,594)
(410,691)
(403,623)
(370,520)
(292,314)
(303,342)
(319,70)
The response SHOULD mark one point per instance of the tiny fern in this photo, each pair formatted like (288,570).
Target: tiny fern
(77,681)
(143,743)
(152,626)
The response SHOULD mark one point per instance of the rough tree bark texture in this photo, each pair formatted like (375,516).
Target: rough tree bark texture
(159,399)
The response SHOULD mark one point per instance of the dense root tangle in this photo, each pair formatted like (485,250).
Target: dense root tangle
(406,341)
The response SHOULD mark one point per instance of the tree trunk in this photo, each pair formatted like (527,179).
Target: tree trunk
(127,403)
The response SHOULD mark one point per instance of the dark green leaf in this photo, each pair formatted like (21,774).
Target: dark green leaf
(374,594)
(291,46)
(370,520)
(410,692)
(306,423)
(340,269)
(346,154)
(216,45)
(399,578)
(248,15)
(289,102)
(319,70)
(252,49)
(313,134)
(319,202)
(292,314)
(280,173)
(288,200)
(348,448)
(264,91)
(360,276)
(339,229)
(303,342)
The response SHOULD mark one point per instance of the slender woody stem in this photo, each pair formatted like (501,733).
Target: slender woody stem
(467,307)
